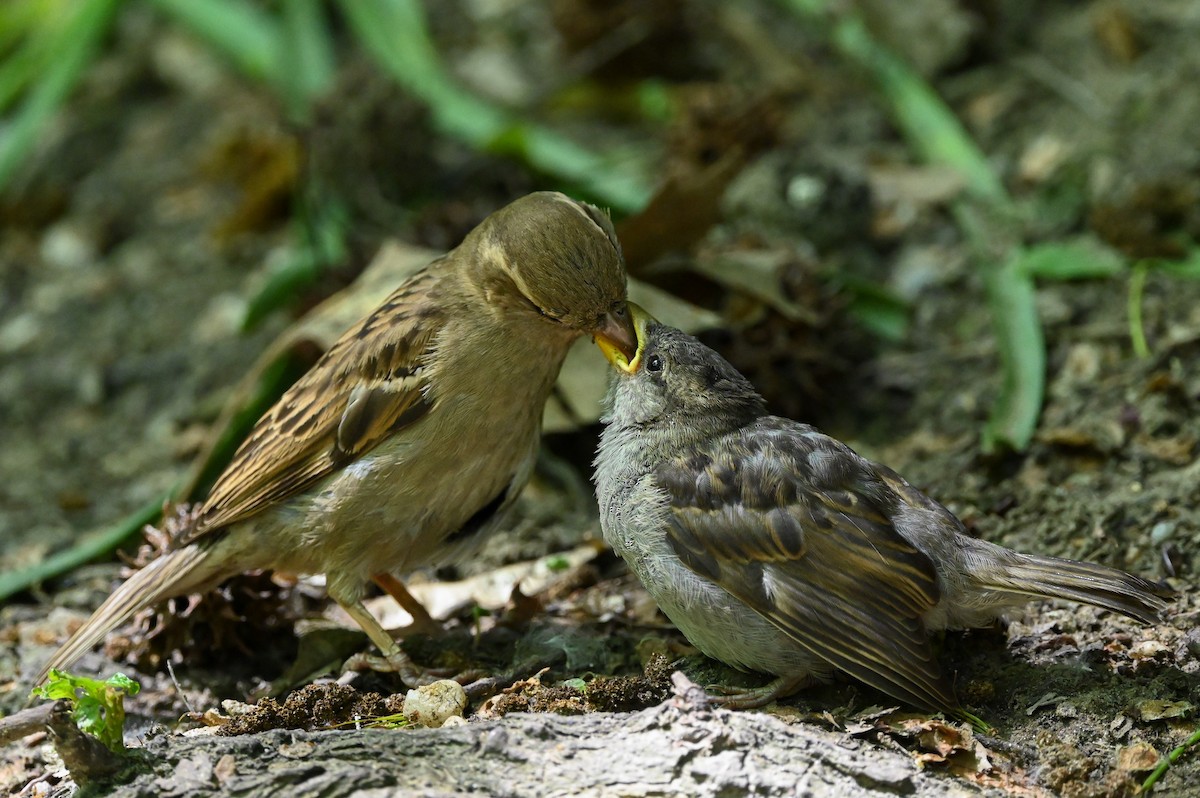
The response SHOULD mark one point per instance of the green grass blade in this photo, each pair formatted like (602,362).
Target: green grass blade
(307,52)
(246,35)
(394,33)
(21,68)
(931,128)
(1081,258)
(877,308)
(1187,267)
(19,19)
(74,47)
(90,547)
(935,133)
(1165,763)
(1137,327)
(322,229)
(1012,301)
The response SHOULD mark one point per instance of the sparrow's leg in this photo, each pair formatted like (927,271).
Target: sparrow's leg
(754,697)
(422,622)
(393,659)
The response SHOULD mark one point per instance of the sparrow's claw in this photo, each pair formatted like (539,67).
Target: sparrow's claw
(397,662)
(754,697)
(410,673)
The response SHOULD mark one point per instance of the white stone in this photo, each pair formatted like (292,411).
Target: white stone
(433,704)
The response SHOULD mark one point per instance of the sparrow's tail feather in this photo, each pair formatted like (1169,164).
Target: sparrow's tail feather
(1088,583)
(187,570)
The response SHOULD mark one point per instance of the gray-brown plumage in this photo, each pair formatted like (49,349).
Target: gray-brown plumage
(410,439)
(778,549)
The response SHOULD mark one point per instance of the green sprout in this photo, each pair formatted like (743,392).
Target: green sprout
(99,706)
(478,613)
(576,684)
(557,563)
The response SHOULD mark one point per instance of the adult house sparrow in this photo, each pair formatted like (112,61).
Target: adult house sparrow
(408,441)
(776,548)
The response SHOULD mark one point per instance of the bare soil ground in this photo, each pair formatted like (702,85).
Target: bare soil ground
(136,236)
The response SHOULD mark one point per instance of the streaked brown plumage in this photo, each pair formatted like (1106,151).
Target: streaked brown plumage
(407,442)
(778,549)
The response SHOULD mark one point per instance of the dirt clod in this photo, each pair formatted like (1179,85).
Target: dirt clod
(315,706)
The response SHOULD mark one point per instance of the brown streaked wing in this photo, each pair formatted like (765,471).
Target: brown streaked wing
(826,567)
(368,385)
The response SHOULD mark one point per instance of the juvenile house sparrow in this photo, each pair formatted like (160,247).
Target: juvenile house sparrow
(775,548)
(413,435)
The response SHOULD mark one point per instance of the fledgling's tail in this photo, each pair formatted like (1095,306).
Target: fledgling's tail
(176,573)
(1085,582)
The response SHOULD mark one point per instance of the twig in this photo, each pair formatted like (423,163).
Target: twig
(27,721)
(86,757)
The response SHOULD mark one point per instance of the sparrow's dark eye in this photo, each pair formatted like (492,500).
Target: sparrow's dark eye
(654,363)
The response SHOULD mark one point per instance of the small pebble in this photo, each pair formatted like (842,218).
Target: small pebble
(202,731)
(236,709)
(433,704)
(1161,532)
(1191,641)
(18,332)
(68,246)
(1146,649)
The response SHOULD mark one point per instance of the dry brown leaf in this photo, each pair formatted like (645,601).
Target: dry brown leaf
(1137,758)
(490,590)
(1175,450)
(949,746)
(1154,709)
(720,130)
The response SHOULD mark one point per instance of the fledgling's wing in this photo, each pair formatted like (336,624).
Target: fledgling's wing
(371,383)
(798,527)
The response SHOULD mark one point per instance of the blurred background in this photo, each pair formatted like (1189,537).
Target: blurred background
(959,234)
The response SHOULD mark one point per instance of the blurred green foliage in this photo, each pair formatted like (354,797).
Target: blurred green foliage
(47,45)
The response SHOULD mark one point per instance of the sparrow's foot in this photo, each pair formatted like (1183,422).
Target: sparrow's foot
(396,661)
(754,697)
(413,675)
(393,659)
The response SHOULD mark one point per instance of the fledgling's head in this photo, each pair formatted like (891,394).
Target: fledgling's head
(547,255)
(674,379)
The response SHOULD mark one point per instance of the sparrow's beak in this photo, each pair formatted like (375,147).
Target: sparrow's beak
(622,336)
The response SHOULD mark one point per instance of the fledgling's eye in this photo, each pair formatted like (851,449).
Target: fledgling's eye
(654,363)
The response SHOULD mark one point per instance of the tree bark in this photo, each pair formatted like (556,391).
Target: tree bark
(681,747)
